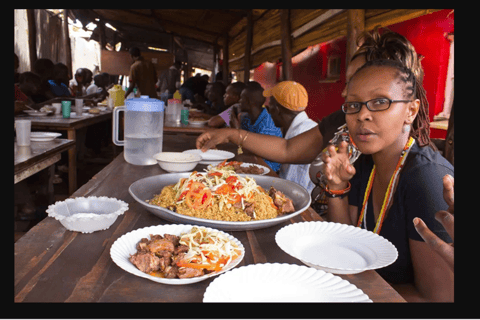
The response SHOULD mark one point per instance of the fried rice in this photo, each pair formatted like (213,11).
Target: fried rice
(235,205)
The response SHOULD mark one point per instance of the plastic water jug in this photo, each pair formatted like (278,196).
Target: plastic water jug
(143,130)
(118,95)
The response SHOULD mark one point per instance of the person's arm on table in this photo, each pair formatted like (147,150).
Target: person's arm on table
(299,149)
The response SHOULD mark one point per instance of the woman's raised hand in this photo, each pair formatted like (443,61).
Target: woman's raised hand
(337,170)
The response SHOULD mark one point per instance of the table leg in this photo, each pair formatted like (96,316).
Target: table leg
(50,191)
(72,163)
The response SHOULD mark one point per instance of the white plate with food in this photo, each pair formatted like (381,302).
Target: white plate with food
(275,282)
(187,253)
(241,167)
(35,113)
(212,156)
(225,202)
(44,136)
(335,247)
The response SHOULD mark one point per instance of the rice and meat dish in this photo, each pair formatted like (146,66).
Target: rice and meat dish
(189,255)
(220,194)
(238,168)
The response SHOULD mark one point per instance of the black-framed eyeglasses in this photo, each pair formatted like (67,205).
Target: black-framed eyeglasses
(378,104)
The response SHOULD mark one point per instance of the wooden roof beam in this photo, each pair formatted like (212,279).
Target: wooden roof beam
(303,29)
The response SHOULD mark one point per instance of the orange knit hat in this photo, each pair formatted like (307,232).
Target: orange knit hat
(290,94)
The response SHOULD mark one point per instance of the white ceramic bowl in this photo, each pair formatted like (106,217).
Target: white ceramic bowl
(177,161)
(87,215)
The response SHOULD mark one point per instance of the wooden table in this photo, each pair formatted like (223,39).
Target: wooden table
(31,159)
(56,265)
(174,127)
(39,155)
(58,123)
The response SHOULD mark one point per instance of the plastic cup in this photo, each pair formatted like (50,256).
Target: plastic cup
(58,107)
(79,106)
(23,129)
(178,114)
(66,108)
(185,116)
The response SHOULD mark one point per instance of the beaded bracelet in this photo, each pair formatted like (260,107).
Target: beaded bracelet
(337,193)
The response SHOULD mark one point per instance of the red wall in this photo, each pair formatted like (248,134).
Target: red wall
(426,33)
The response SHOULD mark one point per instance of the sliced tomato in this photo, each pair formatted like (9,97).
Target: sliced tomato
(222,164)
(198,197)
(224,189)
(216,173)
(234,198)
(231,179)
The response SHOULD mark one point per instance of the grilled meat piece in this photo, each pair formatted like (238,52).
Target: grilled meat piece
(249,207)
(184,273)
(142,245)
(287,207)
(145,261)
(160,245)
(181,248)
(177,258)
(171,272)
(284,204)
(173,238)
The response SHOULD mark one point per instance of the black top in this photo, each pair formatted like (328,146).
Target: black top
(419,194)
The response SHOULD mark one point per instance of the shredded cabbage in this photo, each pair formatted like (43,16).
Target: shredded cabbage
(208,247)
(246,185)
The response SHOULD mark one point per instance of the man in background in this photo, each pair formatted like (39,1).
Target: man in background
(169,81)
(142,75)
(288,101)
(257,118)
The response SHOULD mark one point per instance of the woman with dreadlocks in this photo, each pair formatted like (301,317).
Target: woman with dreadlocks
(397,178)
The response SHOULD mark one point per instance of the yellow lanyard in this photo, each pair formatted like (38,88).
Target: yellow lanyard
(389,193)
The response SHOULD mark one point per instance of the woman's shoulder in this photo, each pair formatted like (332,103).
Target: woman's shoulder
(425,157)
(423,172)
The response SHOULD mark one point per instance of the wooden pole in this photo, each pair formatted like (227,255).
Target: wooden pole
(103,37)
(248,47)
(32,37)
(355,26)
(286,44)
(188,70)
(214,71)
(68,48)
(225,71)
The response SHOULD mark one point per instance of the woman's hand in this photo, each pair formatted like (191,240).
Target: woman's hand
(446,251)
(209,139)
(337,170)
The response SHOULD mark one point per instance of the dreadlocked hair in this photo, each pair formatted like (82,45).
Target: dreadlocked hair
(413,90)
(393,46)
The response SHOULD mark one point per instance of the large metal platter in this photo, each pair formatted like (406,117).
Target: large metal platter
(147,188)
